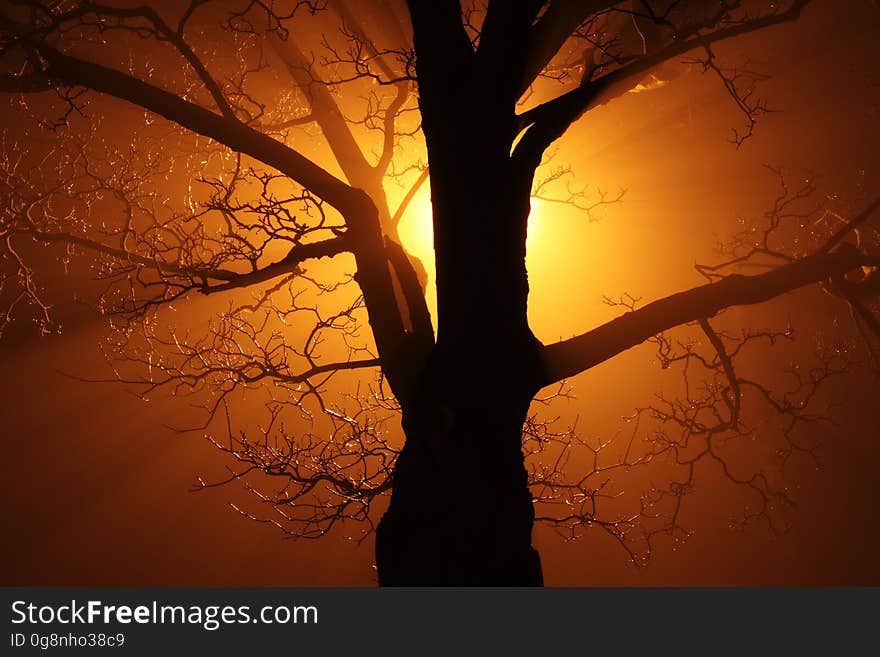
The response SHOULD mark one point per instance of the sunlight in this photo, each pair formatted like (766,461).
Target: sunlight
(416,232)
(416,228)
(537,215)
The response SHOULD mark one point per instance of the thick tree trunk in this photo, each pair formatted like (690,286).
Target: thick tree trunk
(461,512)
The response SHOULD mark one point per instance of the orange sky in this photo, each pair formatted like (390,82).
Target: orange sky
(96,486)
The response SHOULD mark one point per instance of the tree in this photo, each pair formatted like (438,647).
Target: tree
(247,88)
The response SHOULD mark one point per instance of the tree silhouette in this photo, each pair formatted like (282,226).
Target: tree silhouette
(258,170)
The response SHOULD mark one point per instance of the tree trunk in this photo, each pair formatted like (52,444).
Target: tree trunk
(461,511)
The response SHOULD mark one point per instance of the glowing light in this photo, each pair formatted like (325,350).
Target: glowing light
(537,217)
(416,228)
(649,84)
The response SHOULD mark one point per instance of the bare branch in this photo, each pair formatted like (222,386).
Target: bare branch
(550,120)
(567,358)
(64,69)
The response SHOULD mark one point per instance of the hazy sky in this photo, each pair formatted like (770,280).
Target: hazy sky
(96,486)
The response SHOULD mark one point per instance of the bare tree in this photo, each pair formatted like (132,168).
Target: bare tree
(264,143)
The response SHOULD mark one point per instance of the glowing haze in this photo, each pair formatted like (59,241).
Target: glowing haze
(685,189)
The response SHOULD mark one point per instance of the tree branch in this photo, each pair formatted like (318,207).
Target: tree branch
(297,255)
(417,308)
(289,263)
(408,197)
(126,256)
(569,357)
(550,120)
(325,112)
(64,70)
(552,30)
(163,31)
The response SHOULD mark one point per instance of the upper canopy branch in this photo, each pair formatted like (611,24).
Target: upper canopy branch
(401,82)
(550,120)
(158,26)
(59,70)
(552,30)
